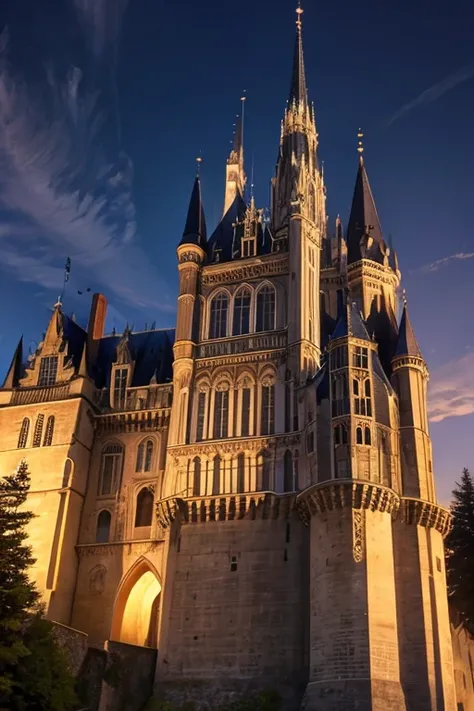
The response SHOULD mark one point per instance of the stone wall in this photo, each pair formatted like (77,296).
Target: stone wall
(463,657)
(128,677)
(235,611)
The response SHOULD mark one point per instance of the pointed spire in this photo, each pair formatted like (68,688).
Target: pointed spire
(298,91)
(14,370)
(195,228)
(407,345)
(83,364)
(350,323)
(364,233)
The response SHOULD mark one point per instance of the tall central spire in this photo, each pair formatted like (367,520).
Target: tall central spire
(298,91)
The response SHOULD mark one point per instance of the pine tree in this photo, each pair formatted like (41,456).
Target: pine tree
(460,551)
(18,595)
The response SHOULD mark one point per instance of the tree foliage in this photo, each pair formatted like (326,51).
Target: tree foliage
(33,672)
(460,551)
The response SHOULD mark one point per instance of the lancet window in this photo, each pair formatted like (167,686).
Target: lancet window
(265,320)
(48,435)
(196,476)
(340,434)
(264,471)
(38,431)
(104,520)
(241,321)
(218,318)
(221,412)
(23,436)
(111,469)
(362,397)
(339,395)
(201,414)
(144,511)
(241,473)
(144,461)
(267,424)
(120,387)
(216,475)
(48,371)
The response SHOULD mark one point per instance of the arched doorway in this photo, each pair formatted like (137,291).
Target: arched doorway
(136,610)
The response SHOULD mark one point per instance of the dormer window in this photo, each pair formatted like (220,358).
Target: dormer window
(249,247)
(48,371)
(120,387)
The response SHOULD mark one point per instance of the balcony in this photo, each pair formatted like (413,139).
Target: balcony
(243,344)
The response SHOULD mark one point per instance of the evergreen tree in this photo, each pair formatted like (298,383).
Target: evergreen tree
(18,595)
(460,551)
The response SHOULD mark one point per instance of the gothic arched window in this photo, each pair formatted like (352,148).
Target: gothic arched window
(38,431)
(265,309)
(144,456)
(268,408)
(23,436)
(48,435)
(246,400)
(201,414)
(144,512)
(359,436)
(263,471)
(240,473)
(288,472)
(216,475)
(111,469)
(102,533)
(241,321)
(221,412)
(197,476)
(218,321)
(367,436)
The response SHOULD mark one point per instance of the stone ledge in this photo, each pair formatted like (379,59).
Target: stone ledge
(346,493)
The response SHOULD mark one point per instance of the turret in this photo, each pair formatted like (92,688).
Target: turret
(234,172)
(191,254)
(410,379)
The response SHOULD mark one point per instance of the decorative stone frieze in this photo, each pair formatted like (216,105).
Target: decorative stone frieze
(261,505)
(426,514)
(233,446)
(222,274)
(124,422)
(28,396)
(244,344)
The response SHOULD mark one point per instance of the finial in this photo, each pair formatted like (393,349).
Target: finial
(404,297)
(360,144)
(198,165)
(299,12)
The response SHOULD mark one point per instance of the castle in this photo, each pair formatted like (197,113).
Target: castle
(251,493)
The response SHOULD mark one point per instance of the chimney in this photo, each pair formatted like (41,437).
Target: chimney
(96,325)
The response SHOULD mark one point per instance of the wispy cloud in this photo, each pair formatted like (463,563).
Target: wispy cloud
(102,19)
(439,263)
(435,92)
(62,192)
(451,389)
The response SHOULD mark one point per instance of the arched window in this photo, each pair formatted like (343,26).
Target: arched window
(38,431)
(363,402)
(241,473)
(355,387)
(102,534)
(268,408)
(265,309)
(246,400)
(144,456)
(288,484)
(359,437)
(144,513)
(201,415)
(48,435)
(23,436)
(221,412)
(216,475)
(111,469)
(218,323)
(241,322)
(197,476)
(67,471)
(263,471)
(367,436)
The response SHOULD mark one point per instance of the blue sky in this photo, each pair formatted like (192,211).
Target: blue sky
(104,106)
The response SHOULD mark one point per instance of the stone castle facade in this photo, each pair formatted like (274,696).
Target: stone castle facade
(251,493)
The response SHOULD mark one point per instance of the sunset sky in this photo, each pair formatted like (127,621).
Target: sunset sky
(105,105)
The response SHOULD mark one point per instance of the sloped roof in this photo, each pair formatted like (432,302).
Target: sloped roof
(350,323)
(363,218)
(195,227)
(407,343)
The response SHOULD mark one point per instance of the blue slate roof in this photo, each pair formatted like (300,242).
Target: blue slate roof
(407,343)
(75,336)
(195,227)
(222,239)
(351,323)
(152,352)
(364,217)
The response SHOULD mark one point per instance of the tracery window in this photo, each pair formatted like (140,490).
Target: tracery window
(340,434)
(221,412)
(265,309)
(144,456)
(102,533)
(339,395)
(264,465)
(23,436)
(201,414)
(268,408)
(48,435)
(218,321)
(111,469)
(241,322)
(241,473)
(48,371)
(144,512)
(120,387)
(38,431)
(246,400)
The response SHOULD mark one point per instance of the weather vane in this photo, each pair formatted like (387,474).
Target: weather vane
(198,164)
(404,297)
(360,145)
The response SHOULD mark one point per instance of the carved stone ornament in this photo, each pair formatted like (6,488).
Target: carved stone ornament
(268,380)
(97,580)
(222,386)
(358,536)
(264,268)
(204,386)
(189,257)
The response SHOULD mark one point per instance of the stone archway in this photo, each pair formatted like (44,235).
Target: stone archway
(137,605)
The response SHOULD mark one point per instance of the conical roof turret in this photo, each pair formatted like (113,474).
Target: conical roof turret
(407,345)
(195,228)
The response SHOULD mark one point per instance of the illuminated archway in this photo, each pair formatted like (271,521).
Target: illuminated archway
(136,610)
